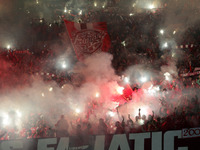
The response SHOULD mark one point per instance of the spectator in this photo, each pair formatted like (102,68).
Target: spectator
(102,127)
(62,127)
(119,128)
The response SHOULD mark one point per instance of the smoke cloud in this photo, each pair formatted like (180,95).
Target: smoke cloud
(99,88)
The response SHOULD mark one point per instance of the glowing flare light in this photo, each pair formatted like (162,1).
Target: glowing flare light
(167,76)
(19,114)
(151,6)
(77,110)
(123,43)
(143,111)
(65,10)
(141,121)
(126,79)
(165,45)
(64,65)
(120,90)
(8,46)
(42,94)
(143,79)
(6,119)
(111,114)
(162,31)
(80,12)
(50,89)
(97,95)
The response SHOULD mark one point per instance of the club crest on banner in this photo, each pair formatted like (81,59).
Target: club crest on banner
(88,38)
(88,41)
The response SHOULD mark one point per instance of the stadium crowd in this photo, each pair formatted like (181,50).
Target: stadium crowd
(131,45)
(185,115)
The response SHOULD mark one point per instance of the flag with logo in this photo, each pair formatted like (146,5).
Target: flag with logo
(88,38)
